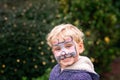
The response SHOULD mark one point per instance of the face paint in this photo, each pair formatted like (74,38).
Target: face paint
(64,49)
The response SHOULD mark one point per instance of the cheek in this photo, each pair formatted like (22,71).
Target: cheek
(72,49)
(56,53)
(77,48)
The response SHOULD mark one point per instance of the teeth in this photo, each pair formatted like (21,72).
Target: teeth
(62,57)
(66,56)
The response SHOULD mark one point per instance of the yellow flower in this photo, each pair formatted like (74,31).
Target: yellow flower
(92,59)
(107,39)
(53,61)
(18,60)
(29,48)
(35,66)
(44,63)
(88,33)
(77,22)
(42,42)
(3,66)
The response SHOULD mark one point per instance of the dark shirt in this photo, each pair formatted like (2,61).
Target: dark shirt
(68,74)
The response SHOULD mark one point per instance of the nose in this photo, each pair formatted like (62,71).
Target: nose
(63,53)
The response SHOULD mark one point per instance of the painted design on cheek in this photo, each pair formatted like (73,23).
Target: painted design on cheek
(64,49)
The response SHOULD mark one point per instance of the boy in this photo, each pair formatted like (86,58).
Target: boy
(66,42)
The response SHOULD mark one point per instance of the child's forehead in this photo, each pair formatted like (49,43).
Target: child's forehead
(61,39)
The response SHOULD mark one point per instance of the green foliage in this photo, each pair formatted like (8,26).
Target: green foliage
(100,21)
(43,77)
(23,27)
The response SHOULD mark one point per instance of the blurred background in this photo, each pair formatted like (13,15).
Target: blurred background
(24,25)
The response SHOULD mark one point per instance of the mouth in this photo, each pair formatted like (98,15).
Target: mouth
(65,56)
(66,59)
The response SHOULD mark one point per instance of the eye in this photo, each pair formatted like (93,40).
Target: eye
(68,45)
(56,49)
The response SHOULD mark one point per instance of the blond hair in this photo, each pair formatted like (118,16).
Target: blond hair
(65,30)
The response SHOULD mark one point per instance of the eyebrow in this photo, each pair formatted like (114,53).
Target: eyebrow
(61,43)
(64,41)
(58,44)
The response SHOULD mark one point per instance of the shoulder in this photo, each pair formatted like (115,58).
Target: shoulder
(56,68)
(82,75)
(54,72)
(84,58)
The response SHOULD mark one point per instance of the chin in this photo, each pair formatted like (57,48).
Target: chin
(67,62)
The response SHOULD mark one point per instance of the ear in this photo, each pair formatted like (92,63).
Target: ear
(80,47)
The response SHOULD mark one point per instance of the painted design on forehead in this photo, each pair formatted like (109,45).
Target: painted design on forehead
(66,39)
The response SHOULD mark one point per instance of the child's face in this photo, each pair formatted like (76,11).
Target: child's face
(65,51)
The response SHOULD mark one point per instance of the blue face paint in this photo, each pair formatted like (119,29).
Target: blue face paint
(64,49)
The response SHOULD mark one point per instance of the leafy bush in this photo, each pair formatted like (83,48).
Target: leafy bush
(43,77)
(23,50)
